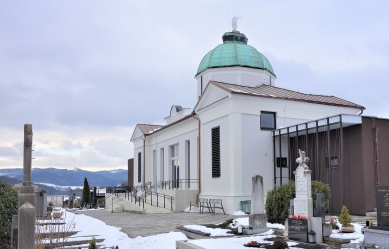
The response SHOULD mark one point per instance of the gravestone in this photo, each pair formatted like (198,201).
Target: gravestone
(320,206)
(382,195)
(257,218)
(298,229)
(303,220)
(380,234)
(303,201)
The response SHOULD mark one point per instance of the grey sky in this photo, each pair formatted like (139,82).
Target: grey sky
(84,73)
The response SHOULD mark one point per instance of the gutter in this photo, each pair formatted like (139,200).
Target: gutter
(198,153)
(144,160)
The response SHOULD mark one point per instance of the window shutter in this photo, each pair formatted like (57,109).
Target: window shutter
(139,167)
(216,152)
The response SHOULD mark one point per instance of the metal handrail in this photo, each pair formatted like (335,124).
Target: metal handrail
(176,184)
(171,198)
(113,197)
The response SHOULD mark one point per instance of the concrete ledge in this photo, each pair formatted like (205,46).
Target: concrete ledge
(183,244)
(371,214)
(193,234)
(255,231)
(379,237)
(143,211)
(335,241)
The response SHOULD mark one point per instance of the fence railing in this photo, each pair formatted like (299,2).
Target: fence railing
(134,192)
(179,184)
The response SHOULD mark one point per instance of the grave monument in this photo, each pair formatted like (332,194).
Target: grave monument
(23,226)
(257,218)
(380,234)
(303,220)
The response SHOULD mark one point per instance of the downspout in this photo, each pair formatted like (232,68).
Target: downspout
(198,153)
(144,161)
(361,112)
(375,137)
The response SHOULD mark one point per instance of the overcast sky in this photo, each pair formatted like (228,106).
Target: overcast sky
(83,73)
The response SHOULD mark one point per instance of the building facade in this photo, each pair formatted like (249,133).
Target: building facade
(213,150)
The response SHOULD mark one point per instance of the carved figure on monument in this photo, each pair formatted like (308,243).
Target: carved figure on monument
(302,160)
(234,22)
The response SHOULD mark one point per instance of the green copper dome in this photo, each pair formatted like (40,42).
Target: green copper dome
(234,52)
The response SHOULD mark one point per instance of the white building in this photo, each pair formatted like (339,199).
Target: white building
(214,150)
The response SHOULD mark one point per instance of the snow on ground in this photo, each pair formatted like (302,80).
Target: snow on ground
(239,213)
(192,210)
(356,236)
(245,223)
(214,232)
(91,227)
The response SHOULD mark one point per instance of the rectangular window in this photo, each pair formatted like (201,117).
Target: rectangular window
(282,162)
(216,152)
(334,162)
(268,120)
(175,163)
(162,164)
(139,167)
(187,148)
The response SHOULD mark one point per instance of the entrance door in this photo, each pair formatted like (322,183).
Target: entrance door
(175,162)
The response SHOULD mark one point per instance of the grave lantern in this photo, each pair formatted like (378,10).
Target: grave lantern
(312,237)
(240,229)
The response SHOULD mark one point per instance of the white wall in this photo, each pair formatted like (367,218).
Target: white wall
(219,185)
(235,75)
(177,134)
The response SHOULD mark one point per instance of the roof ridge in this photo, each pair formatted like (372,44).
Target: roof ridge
(151,124)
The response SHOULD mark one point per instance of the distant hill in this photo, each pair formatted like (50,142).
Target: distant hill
(65,177)
(9,180)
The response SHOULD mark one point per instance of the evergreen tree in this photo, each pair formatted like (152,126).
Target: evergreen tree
(344,217)
(8,207)
(92,244)
(85,192)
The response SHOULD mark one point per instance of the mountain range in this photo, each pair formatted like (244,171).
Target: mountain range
(65,177)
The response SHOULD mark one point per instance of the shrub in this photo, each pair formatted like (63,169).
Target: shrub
(277,202)
(92,244)
(280,244)
(278,199)
(344,217)
(8,207)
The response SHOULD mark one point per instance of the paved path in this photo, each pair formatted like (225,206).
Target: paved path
(150,224)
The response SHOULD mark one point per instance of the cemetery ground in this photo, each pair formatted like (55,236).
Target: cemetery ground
(152,231)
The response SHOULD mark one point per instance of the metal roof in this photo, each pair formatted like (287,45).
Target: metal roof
(234,52)
(267,91)
(148,128)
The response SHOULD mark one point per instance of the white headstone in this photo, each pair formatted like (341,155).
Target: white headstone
(303,201)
